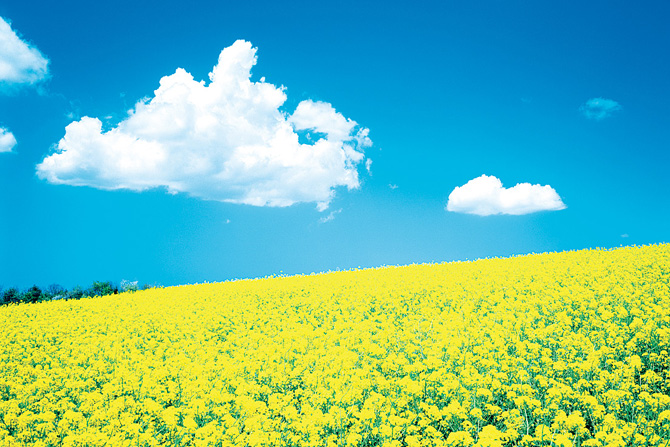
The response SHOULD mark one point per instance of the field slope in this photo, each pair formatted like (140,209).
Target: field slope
(552,349)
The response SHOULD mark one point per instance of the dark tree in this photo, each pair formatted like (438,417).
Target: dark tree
(102,288)
(32,295)
(76,293)
(54,290)
(11,295)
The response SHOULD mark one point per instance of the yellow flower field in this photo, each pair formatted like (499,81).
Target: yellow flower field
(555,349)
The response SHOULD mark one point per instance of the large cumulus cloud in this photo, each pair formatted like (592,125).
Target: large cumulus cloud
(20,62)
(225,140)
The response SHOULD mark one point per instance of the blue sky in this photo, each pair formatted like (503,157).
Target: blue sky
(329,135)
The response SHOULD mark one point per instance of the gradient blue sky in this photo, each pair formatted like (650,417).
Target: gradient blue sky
(572,96)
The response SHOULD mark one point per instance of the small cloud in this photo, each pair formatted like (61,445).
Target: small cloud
(227,221)
(74,112)
(7,140)
(393,186)
(368,165)
(625,235)
(485,196)
(599,108)
(330,217)
(226,140)
(20,62)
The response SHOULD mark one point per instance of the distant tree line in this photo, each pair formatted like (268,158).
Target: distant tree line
(56,292)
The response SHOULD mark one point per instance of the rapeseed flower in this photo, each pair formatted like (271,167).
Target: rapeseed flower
(564,348)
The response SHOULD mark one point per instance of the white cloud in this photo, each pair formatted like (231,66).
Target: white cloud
(599,108)
(321,117)
(368,165)
(20,63)
(226,140)
(330,216)
(7,140)
(485,196)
